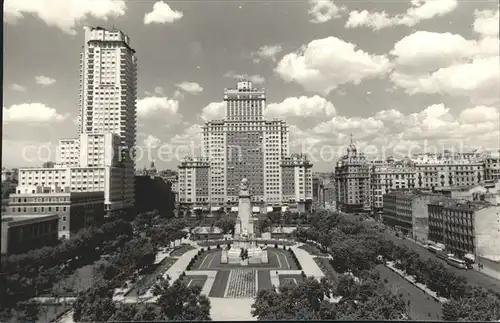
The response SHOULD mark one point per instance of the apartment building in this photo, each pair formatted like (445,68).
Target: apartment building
(194,183)
(75,179)
(26,232)
(245,145)
(352,181)
(492,166)
(297,182)
(386,177)
(466,228)
(76,210)
(407,211)
(444,171)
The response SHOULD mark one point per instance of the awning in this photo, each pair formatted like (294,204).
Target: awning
(269,209)
(234,209)
(256,209)
(284,208)
(197,208)
(215,208)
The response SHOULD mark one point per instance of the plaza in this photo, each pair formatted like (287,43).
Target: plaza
(232,288)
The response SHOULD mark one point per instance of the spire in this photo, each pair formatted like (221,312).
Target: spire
(351,143)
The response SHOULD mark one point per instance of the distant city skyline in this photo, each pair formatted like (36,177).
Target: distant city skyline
(404,80)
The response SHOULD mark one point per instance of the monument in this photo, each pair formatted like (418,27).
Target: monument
(244,249)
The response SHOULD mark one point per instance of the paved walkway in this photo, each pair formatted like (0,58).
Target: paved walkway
(174,272)
(231,309)
(309,266)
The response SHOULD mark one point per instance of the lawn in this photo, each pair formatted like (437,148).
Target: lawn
(220,283)
(290,279)
(421,306)
(182,249)
(194,280)
(264,280)
(313,250)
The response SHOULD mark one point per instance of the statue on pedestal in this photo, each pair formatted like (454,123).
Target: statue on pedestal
(244,230)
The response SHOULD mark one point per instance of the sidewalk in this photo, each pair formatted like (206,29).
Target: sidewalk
(309,266)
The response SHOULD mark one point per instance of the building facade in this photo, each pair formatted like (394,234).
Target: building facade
(352,182)
(407,211)
(444,171)
(492,167)
(466,227)
(387,177)
(101,158)
(243,145)
(76,210)
(193,183)
(23,233)
(296,184)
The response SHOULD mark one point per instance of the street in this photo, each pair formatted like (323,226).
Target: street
(473,276)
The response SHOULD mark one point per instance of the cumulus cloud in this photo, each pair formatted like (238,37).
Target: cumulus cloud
(419,10)
(44,80)
(479,114)
(389,132)
(17,87)
(213,111)
(303,107)
(266,52)
(445,63)
(161,14)
(151,142)
(486,22)
(31,112)
(63,14)
(190,87)
(322,11)
(326,63)
(154,105)
(257,79)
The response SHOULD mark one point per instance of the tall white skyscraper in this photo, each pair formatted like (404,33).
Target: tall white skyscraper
(99,159)
(108,94)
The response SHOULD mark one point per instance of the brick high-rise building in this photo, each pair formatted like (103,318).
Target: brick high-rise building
(352,181)
(246,145)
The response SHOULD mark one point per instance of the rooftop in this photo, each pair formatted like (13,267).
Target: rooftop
(409,194)
(27,218)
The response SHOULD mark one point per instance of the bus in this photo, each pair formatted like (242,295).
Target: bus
(455,262)
(434,249)
(443,255)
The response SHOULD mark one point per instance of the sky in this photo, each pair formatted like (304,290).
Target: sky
(401,76)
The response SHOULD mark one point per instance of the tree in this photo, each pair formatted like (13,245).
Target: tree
(477,305)
(95,305)
(182,303)
(306,301)
(226,224)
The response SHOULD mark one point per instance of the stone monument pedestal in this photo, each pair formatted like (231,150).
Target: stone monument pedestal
(244,233)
